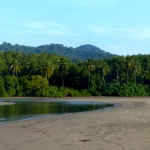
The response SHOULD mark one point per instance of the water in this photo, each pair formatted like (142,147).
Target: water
(30,108)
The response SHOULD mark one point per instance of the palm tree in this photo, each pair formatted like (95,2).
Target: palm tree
(136,69)
(48,69)
(32,64)
(62,68)
(89,67)
(104,68)
(117,65)
(15,68)
(122,77)
(146,75)
(128,65)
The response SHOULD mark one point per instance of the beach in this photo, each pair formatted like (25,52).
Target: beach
(125,127)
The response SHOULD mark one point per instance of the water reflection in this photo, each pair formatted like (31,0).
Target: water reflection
(27,109)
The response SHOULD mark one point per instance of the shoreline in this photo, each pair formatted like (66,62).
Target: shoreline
(124,127)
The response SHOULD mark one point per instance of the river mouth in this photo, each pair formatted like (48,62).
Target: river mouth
(27,109)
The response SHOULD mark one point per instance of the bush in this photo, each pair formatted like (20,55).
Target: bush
(85,92)
(38,86)
(94,92)
(12,86)
(74,93)
(55,92)
(125,90)
(3,92)
(63,92)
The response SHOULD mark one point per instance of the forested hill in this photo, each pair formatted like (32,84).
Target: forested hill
(81,52)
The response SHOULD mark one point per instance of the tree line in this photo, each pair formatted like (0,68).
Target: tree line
(52,75)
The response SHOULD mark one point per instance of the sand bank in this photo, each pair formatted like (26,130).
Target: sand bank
(126,127)
(6,103)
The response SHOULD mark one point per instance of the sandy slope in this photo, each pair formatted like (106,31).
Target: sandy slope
(6,103)
(126,127)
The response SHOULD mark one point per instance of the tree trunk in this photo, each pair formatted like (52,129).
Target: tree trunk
(117,77)
(103,81)
(89,80)
(127,76)
(135,78)
(62,80)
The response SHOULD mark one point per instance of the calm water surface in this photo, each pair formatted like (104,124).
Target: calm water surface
(25,109)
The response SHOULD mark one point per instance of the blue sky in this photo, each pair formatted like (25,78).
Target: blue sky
(116,26)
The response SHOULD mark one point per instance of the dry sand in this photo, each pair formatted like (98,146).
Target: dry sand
(126,127)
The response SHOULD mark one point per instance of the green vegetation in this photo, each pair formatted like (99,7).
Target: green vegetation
(52,75)
(81,52)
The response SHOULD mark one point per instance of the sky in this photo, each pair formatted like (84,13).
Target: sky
(117,26)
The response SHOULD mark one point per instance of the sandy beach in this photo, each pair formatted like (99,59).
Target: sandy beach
(126,127)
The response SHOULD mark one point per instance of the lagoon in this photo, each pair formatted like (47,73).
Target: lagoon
(27,109)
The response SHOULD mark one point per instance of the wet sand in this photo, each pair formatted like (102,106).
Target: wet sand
(126,127)
(6,103)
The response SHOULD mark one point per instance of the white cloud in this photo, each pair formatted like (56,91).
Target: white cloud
(117,48)
(141,33)
(59,32)
(91,3)
(17,32)
(84,3)
(41,25)
(132,32)
(36,25)
(123,49)
(114,47)
(99,29)
(44,28)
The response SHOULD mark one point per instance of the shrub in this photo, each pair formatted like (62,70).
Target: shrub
(85,92)
(125,90)
(94,92)
(3,92)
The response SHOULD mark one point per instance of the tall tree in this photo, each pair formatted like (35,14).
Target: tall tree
(136,69)
(117,64)
(48,69)
(89,66)
(33,66)
(62,69)
(104,69)
(146,76)
(128,65)
(122,77)
(15,68)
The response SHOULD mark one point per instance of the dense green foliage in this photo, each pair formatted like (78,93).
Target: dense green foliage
(126,90)
(81,52)
(56,76)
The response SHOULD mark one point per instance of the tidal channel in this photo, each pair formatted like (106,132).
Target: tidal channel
(26,109)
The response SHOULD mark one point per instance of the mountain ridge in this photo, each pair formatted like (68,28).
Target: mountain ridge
(80,52)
